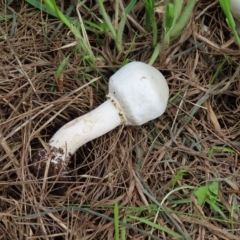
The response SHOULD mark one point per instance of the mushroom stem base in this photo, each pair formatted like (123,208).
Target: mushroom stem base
(57,172)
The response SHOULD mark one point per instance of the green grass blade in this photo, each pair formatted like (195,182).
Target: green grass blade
(216,208)
(225,5)
(116,221)
(178,28)
(52,5)
(61,67)
(123,230)
(155,54)
(156,226)
(82,43)
(168,22)
(41,7)
(101,27)
(177,177)
(219,149)
(148,5)
(120,222)
(150,19)
(169,17)
(106,19)
(215,75)
(178,4)
(125,12)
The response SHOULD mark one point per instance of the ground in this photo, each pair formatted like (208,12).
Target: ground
(180,171)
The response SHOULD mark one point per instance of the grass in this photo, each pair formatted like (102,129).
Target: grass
(221,149)
(82,40)
(176,18)
(174,178)
(116,34)
(209,194)
(133,217)
(150,20)
(225,5)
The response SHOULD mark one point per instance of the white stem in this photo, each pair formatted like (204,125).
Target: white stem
(81,130)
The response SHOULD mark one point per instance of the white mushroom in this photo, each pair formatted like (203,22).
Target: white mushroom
(137,94)
(235,9)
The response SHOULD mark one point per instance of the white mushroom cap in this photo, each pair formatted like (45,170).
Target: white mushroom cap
(235,8)
(140,91)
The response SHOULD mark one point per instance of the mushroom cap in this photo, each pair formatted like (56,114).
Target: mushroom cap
(140,92)
(235,8)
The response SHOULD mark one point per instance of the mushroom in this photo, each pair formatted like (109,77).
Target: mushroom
(137,94)
(235,9)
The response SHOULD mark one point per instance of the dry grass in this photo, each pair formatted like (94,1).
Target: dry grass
(132,166)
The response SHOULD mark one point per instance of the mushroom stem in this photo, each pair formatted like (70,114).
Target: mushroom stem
(81,130)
